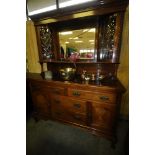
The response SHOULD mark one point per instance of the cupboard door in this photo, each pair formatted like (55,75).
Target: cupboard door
(41,102)
(103,115)
(109,36)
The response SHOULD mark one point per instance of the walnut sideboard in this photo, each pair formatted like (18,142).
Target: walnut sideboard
(94,108)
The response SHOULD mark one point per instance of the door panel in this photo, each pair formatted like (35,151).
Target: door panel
(103,115)
(41,102)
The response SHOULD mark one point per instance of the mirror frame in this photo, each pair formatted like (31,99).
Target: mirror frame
(75,24)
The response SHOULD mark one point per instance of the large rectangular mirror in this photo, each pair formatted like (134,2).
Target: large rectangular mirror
(77,44)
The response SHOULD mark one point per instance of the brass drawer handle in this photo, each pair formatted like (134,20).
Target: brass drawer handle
(58,113)
(77,117)
(76,93)
(104,98)
(57,101)
(35,87)
(56,91)
(77,105)
(48,104)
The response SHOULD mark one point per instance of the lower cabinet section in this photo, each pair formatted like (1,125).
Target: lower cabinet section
(92,111)
(103,116)
(41,102)
(69,109)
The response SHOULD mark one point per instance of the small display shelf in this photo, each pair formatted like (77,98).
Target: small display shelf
(77,62)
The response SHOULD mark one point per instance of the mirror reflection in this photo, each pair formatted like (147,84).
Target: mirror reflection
(77,44)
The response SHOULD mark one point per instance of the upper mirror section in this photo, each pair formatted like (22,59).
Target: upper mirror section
(77,44)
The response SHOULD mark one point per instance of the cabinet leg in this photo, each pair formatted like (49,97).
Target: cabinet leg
(36,119)
(113,143)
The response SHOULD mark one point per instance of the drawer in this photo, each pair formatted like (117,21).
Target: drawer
(69,104)
(37,86)
(61,114)
(101,97)
(50,89)
(57,90)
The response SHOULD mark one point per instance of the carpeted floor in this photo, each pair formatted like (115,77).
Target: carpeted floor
(53,138)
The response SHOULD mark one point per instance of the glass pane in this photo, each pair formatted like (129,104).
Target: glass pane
(39,6)
(46,43)
(77,44)
(107,27)
(65,3)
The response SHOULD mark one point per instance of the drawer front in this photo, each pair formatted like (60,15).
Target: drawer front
(69,104)
(61,114)
(37,86)
(53,90)
(95,96)
(57,90)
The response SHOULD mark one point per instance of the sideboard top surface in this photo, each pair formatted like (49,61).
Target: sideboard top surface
(111,86)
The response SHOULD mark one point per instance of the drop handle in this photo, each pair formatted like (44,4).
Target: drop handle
(48,104)
(58,113)
(57,101)
(56,91)
(76,93)
(35,87)
(77,105)
(77,117)
(104,98)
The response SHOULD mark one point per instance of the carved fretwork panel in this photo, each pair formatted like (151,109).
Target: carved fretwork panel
(109,33)
(46,43)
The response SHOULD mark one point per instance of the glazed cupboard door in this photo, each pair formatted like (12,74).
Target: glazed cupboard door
(109,37)
(41,102)
(103,115)
(47,43)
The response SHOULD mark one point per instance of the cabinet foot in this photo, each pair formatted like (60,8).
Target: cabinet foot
(35,116)
(36,119)
(113,143)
